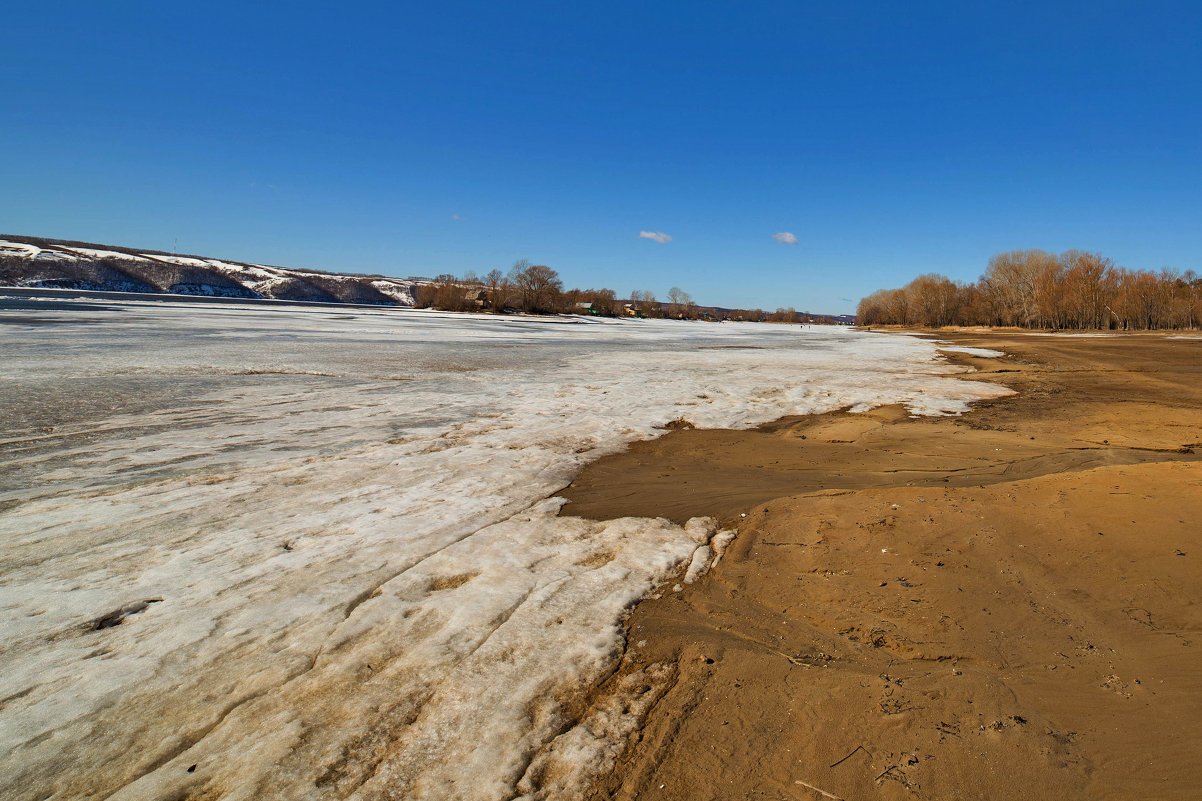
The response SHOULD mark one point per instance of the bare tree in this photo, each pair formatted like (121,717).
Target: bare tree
(936,299)
(446,293)
(783,314)
(1089,283)
(538,287)
(681,302)
(605,302)
(645,303)
(1011,280)
(493,280)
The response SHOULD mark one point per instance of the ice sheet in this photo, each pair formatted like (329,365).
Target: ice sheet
(327,538)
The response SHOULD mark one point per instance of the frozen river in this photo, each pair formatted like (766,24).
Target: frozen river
(280,552)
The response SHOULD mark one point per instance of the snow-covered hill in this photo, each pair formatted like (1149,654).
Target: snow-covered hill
(35,262)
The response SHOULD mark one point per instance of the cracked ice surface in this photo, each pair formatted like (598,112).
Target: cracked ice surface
(360,588)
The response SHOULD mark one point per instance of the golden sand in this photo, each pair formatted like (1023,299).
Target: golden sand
(1006,604)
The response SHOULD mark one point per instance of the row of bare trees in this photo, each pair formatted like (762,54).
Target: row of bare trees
(527,287)
(537,288)
(1036,289)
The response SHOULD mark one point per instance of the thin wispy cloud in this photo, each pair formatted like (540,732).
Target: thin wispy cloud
(656,236)
(456,217)
(785,238)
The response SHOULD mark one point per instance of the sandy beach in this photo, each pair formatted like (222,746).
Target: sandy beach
(1002,604)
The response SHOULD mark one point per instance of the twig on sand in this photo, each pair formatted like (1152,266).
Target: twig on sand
(850,754)
(823,793)
(885,772)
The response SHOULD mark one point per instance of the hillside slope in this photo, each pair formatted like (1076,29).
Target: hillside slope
(56,264)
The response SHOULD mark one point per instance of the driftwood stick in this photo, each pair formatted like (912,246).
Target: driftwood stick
(823,793)
(851,753)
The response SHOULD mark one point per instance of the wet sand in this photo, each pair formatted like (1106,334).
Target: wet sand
(1007,604)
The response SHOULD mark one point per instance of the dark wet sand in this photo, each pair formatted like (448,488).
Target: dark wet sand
(1002,605)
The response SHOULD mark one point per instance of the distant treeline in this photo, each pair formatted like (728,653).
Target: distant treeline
(1036,289)
(538,289)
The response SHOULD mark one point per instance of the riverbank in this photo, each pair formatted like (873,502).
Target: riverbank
(1001,603)
(278,553)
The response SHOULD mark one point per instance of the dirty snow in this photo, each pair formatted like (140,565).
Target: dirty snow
(315,553)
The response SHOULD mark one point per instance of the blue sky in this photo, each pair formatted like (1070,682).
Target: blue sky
(403,138)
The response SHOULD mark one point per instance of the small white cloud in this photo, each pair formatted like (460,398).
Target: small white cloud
(785,238)
(655,236)
(456,217)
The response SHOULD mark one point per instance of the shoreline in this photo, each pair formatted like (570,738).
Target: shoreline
(813,498)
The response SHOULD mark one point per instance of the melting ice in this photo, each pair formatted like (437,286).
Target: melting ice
(293,553)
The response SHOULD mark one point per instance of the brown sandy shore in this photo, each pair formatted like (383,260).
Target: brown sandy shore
(1007,604)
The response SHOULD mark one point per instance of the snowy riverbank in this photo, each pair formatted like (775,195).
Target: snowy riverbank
(357,586)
